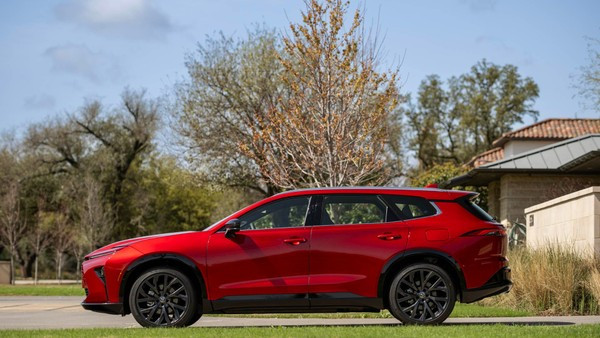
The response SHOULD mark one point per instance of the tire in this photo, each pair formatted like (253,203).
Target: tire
(422,294)
(164,297)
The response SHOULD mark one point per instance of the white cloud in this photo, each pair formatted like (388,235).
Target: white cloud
(41,102)
(81,61)
(136,19)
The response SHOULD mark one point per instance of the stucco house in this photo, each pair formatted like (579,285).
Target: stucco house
(534,164)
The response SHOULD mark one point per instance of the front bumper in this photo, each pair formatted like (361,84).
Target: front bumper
(499,283)
(110,308)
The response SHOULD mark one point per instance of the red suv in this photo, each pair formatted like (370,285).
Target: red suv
(412,251)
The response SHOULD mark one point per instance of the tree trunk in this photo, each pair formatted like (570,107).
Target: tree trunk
(35,270)
(59,266)
(29,262)
(78,268)
(12,267)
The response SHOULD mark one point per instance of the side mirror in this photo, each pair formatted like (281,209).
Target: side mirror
(231,227)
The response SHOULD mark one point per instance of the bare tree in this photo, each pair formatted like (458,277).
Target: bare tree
(95,216)
(63,237)
(39,239)
(12,226)
(332,127)
(588,81)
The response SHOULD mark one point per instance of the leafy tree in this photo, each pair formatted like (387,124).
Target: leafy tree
(493,98)
(442,172)
(124,136)
(310,109)
(459,122)
(101,143)
(169,198)
(437,174)
(232,84)
(332,127)
(39,197)
(424,119)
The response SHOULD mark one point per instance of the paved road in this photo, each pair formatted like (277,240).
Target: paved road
(65,312)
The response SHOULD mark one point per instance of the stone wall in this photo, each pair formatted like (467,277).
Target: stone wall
(520,191)
(572,221)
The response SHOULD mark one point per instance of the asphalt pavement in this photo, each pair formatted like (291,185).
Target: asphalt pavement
(65,312)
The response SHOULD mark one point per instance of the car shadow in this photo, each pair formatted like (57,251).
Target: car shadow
(528,323)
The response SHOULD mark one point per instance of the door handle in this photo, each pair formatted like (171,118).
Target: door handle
(389,237)
(294,241)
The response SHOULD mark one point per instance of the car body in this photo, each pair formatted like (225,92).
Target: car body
(412,251)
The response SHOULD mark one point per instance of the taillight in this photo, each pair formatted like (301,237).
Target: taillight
(487,232)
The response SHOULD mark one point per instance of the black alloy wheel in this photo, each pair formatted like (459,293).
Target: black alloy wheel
(163,298)
(422,294)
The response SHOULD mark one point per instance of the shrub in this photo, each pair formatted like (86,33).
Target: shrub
(552,281)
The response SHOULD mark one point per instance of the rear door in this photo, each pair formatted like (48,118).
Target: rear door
(352,238)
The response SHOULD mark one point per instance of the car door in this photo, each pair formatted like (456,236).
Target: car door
(354,237)
(266,263)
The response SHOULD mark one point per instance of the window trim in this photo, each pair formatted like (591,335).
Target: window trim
(387,198)
(319,209)
(306,216)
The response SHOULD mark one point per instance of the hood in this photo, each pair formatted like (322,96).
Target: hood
(126,242)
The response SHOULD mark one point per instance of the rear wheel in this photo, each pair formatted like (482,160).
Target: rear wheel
(422,294)
(164,297)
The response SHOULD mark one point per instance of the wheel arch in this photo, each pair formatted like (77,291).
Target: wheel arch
(170,260)
(401,260)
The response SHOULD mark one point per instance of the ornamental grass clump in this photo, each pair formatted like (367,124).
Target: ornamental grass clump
(555,280)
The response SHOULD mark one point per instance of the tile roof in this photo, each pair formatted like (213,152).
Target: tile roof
(489,156)
(552,129)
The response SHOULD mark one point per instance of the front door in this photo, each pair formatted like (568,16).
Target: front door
(266,263)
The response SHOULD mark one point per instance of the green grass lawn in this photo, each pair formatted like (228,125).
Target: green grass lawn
(328,331)
(42,290)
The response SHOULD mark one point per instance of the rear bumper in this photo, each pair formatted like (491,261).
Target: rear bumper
(499,283)
(110,308)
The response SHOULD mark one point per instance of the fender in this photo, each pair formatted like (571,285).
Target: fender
(169,257)
(407,255)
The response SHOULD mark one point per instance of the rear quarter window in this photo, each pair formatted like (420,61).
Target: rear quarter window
(468,203)
(409,207)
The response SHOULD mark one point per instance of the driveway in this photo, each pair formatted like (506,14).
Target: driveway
(65,312)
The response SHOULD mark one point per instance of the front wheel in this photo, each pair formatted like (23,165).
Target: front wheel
(422,294)
(163,297)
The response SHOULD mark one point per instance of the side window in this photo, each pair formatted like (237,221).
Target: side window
(289,212)
(411,207)
(352,209)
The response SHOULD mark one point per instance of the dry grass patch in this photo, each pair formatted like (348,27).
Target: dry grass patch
(552,281)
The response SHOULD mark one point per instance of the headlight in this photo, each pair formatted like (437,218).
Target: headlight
(106,253)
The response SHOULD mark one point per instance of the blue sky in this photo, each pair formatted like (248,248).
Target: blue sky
(56,53)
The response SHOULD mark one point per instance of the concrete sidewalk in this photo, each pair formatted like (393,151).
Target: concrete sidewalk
(47,281)
(65,312)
